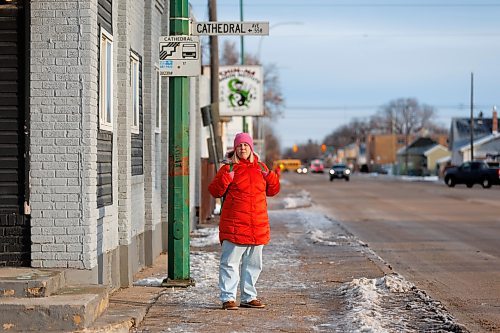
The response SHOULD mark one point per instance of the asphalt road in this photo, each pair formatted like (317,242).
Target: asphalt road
(444,240)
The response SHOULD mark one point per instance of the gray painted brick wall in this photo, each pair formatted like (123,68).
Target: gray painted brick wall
(152,155)
(136,33)
(123,121)
(63,118)
(68,230)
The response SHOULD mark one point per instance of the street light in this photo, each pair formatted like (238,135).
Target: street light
(274,26)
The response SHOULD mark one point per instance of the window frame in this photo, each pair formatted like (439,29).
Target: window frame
(135,73)
(106,88)
(158,101)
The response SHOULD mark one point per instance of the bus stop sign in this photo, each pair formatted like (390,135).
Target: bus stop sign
(180,55)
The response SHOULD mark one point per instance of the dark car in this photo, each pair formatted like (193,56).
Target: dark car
(302,169)
(470,173)
(340,171)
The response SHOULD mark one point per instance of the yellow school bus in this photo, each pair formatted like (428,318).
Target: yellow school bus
(287,164)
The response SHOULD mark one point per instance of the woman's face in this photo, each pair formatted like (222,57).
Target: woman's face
(243,150)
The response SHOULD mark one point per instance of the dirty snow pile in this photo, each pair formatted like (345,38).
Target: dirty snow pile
(153,281)
(390,304)
(300,199)
(318,236)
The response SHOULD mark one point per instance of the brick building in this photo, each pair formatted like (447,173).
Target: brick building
(381,149)
(83,139)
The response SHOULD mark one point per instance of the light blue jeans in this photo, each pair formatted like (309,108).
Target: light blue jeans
(250,258)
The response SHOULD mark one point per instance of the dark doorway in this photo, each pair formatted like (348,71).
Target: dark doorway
(15,242)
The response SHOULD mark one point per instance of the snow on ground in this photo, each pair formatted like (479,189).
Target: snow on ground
(284,181)
(386,304)
(420,179)
(300,199)
(405,178)
(204,270)
(205,237)
(318,236)
(390,304)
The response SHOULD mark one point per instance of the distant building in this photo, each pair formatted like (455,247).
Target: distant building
(485,133)
(355,156)
(435,157)
(381,149)
(419,158)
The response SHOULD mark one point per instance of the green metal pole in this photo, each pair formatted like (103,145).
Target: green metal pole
(242,60)
(178,162)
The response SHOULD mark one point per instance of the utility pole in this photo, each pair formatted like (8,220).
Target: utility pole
(214,56)
(471,116)
(407,139)
(178,162)
(242,61)
(214,81)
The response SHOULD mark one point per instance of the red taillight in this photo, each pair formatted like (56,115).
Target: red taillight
(498,173)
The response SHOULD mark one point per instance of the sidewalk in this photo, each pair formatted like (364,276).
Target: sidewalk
(317,278)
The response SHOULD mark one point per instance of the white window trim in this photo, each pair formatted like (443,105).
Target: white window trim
(134,59)
(103,80)
(158,99)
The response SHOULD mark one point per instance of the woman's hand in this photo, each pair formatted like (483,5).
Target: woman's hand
(231,174)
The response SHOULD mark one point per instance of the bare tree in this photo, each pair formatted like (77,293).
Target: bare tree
(401,116)
(230,55)
(404,116)
(305,151)
(272,147)
(355,131)
(273,98)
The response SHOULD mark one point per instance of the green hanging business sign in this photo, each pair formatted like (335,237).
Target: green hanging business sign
(241,91)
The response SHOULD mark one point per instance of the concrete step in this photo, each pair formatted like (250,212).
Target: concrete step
(71,309)
(29,282)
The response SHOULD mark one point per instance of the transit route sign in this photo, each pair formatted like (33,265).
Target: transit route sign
(180,55)
(230,28)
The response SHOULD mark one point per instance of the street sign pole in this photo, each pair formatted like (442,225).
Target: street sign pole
(242,56)
(178,162)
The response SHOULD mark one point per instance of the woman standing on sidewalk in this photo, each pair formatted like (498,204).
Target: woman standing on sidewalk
(244,228)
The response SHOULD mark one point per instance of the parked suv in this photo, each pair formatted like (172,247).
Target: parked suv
(470,173)
(340,171)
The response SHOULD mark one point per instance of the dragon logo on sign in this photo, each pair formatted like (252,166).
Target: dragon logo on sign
(240,90)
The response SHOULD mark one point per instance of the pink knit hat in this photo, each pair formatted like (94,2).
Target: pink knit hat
(243,137)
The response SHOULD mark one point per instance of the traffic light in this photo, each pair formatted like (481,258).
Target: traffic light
(323,147)
(295,148)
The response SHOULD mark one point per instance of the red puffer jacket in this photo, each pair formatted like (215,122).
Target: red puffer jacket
(244,217)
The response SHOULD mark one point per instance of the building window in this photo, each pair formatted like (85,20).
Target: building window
(106,81)
(134,84)
(158,102)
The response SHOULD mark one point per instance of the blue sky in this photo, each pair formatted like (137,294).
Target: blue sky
(343,59)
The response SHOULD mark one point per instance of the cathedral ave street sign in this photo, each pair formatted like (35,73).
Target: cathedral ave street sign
(230,28)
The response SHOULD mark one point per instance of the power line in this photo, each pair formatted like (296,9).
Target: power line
(366,107)
(347,5)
